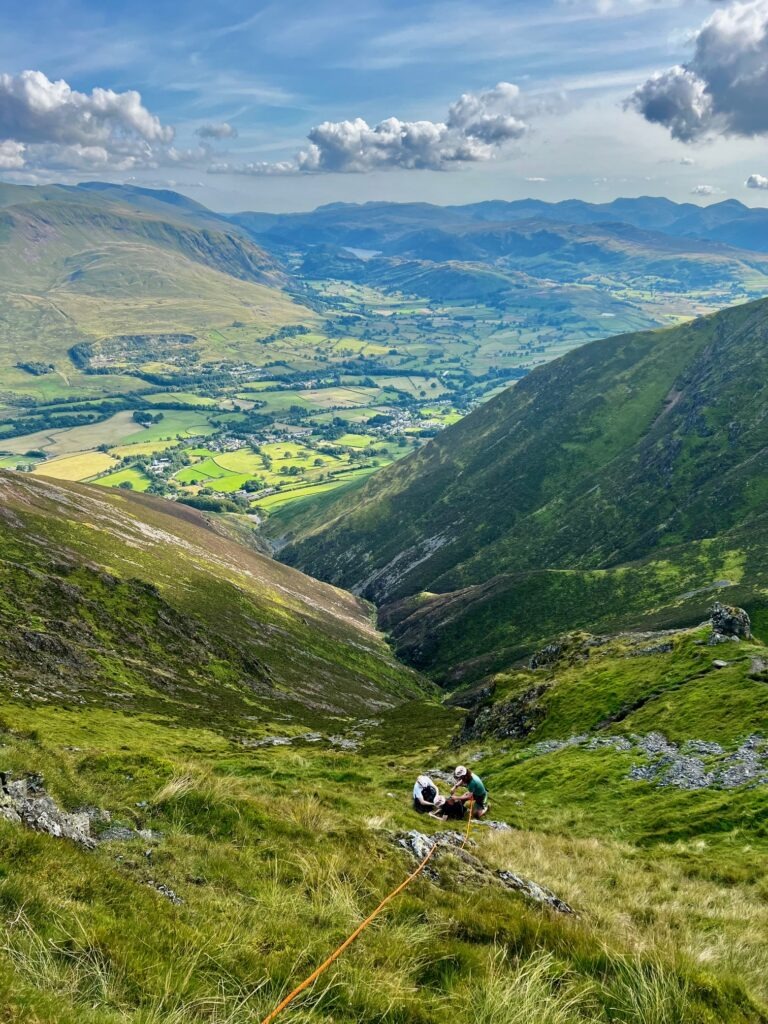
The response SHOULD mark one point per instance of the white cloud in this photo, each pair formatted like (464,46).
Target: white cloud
(257,169)
(537,180)
(221,130)
(757,181)
(11,155)
(687,161)
(706,190)
(477,127)
(621,7)
(724,87)
(49,124)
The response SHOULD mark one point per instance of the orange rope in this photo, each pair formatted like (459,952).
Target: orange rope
(360,928)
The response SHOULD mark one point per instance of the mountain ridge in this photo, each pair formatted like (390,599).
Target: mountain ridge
(214,624)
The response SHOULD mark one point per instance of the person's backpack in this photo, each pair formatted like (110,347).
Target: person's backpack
(429,793)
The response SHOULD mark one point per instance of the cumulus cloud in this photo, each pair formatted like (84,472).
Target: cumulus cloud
(11,155)
(217,130)
(49,124)
(706,190)
(724,87)
(477,127)
(757,181)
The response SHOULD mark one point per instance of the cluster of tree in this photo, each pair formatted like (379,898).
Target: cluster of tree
(33,424)
(212,503)
(36,369)
(292,331)
(82,354)
(145,417)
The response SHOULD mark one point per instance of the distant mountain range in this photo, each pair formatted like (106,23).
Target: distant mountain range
(380,225)
(620,486)
(635,250)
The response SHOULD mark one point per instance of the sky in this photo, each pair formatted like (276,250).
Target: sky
(274,106)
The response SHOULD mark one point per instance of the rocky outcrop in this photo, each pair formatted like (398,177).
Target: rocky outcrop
(701,765)
(512,719)
(26,802)
(729,623)
(567,650)
(692,765)
(473,873)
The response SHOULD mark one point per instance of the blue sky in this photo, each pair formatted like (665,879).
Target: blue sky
(230,92)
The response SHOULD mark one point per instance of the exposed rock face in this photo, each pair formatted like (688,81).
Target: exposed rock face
(730,622)
(165,891)
(25,801)
(474,872)
(511,719)
(693,765)
(568,650)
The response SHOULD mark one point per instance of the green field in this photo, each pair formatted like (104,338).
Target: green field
(139,481)
(183,397)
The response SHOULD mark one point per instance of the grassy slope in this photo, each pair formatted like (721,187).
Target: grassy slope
(150,601)
(279,853)
(139,647)
(637,449)
(72,264)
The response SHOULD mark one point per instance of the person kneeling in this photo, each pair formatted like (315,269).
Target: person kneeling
(424,794)
(476,793)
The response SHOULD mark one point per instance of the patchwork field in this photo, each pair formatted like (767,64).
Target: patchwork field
(204,338)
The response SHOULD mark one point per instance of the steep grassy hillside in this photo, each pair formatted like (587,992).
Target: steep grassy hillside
(81,265)
(125,597)
(616,486)
(236,746)
(223,872)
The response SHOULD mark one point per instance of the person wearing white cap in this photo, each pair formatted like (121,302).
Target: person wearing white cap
(476,791)
(424,794)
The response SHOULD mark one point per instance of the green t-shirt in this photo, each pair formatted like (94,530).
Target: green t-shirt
(477,789)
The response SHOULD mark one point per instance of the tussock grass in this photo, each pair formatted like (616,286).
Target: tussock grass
(532,992)
(279,854)
(659,904)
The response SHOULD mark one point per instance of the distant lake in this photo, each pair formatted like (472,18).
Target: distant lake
(362,254)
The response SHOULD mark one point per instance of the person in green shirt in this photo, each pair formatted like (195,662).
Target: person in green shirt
(476,791)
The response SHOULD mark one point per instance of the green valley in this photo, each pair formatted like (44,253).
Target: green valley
(620,486)
(253,331)
(533,458)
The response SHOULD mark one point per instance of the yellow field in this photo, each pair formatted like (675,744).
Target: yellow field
(67,441)
(187,397)
(340,398)
(76,467)
(147,448)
